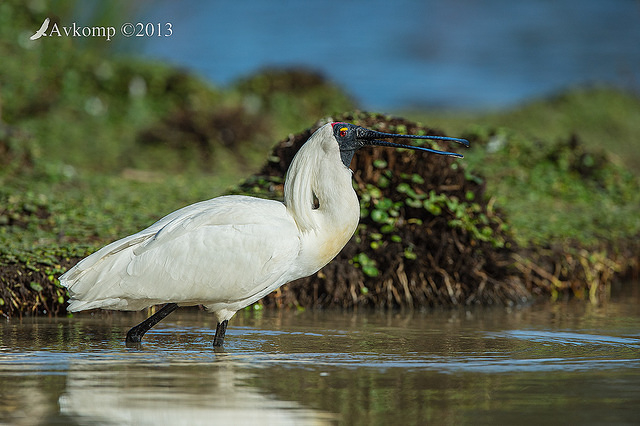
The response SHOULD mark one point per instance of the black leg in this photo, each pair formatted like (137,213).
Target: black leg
(135,334)
(218,340)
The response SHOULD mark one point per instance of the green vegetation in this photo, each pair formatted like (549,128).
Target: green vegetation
(557,167)
(555,191)
(602,118)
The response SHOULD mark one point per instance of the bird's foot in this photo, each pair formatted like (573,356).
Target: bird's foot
(221,329)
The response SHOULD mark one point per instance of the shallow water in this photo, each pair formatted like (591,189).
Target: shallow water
(545,364)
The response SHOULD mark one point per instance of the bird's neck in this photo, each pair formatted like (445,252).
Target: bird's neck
(319,196)
(318,190)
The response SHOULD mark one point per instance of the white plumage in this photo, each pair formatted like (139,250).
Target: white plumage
(223,253)
(228,252)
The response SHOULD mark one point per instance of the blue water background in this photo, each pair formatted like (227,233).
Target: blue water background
(389,55)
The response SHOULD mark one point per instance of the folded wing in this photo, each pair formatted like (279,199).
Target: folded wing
(226,251)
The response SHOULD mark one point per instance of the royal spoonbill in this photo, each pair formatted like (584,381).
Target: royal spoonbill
(228,252)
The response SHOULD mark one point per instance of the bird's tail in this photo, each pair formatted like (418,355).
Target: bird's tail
(89,282)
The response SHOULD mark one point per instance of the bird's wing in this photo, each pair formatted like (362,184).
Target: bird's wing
(222,251)
(173,219)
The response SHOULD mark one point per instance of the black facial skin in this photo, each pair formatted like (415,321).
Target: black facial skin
(351,138)
(348,143)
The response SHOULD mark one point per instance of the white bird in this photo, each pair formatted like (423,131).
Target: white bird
(228,252)
(41,31)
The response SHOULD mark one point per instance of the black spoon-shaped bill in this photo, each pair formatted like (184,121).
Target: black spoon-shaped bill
(372,137)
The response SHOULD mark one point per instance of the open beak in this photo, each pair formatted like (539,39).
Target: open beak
(372,137)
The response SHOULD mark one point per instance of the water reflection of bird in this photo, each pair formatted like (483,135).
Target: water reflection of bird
(116,391)
(228,252)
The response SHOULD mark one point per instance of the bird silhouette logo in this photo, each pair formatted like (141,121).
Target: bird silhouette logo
(41,31)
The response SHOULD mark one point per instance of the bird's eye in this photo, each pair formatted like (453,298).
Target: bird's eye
(343,132)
